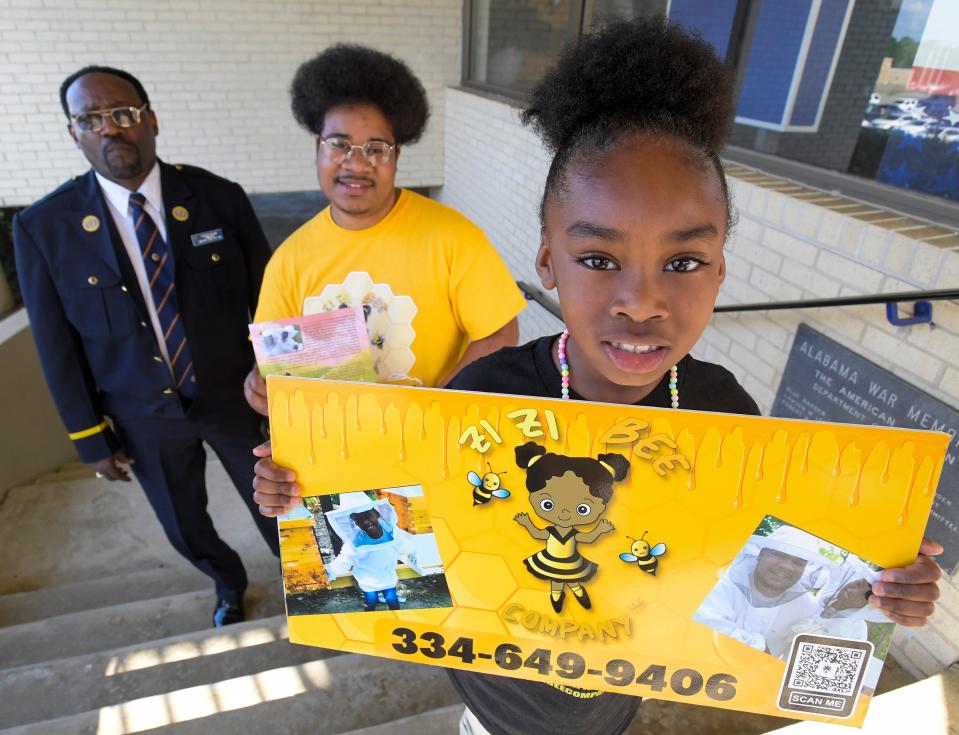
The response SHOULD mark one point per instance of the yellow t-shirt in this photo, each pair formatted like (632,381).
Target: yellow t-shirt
(428,279)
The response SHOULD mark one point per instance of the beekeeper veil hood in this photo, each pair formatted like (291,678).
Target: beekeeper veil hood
(788,540)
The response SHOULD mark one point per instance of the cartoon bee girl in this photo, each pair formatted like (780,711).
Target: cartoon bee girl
(567,492)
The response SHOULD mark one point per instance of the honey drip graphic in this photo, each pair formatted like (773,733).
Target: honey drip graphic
(759,463)
(309,426)
(781,495)
(748,467)
(687,445)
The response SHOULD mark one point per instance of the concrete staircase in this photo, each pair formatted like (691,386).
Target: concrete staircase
(104,630)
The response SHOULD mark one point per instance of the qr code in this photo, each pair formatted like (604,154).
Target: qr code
(827,669)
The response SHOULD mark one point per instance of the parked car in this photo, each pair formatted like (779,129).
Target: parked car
(907,103)
(938,105)
(888,121)
(949,135)
(876,111)
(914,126)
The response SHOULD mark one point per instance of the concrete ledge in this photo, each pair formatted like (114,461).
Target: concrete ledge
(34,438)
(929,707)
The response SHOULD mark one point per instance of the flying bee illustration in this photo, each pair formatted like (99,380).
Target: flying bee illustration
(487,487)
(644,556)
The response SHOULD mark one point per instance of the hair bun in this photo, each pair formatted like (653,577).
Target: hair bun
(618,462)
(644,73)
(526,453)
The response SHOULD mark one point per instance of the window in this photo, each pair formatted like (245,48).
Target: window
(856,87)
(514,42)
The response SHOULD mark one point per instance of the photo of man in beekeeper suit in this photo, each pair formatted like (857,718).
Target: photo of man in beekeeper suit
(791,582)
(767,589)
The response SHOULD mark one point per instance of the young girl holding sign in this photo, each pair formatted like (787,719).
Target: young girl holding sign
(634,217)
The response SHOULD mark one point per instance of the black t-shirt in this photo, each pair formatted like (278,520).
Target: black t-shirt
(507,706)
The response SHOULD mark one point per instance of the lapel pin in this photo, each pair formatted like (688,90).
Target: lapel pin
(91,223)
(180,214)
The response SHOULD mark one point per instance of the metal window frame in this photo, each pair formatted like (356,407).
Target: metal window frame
(936,210)
(574,29)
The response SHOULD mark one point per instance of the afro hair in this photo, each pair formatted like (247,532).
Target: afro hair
(639,76)
(349,74)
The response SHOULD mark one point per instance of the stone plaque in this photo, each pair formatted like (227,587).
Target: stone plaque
(824,381)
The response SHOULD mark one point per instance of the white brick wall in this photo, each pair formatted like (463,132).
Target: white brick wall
(218,74)
(784,248)
(494,173)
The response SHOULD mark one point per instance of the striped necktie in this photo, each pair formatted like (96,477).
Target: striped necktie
(159,269)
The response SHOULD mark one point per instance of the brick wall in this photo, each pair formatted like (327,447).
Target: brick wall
(218,74)
(790,244)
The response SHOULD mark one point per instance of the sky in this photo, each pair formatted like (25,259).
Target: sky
(912,17)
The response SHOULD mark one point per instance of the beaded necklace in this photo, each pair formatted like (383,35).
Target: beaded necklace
(564,373)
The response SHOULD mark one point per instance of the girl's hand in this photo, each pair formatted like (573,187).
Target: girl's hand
(522,519)
(275,488)
(605,525)
(907,595)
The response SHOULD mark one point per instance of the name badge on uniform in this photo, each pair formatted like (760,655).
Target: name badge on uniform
(206,238)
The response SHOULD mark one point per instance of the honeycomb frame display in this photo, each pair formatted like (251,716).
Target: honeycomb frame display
(579,539)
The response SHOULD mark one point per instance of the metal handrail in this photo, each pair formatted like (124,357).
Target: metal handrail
(948,294)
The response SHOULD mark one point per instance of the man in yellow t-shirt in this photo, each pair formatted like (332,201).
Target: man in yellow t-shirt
(434,291)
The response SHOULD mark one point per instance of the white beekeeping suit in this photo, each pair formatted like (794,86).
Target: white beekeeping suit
(849,622)
(735,607)
(373,563)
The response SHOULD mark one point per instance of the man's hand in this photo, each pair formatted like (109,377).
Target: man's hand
(109,468)
(254,390)
(907,595)
(274,487)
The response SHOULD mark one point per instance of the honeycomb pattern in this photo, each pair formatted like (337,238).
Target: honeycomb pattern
(389,320)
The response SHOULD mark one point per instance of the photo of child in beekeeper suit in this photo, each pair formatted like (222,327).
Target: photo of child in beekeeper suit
(786,581)
(372,544)
(376,550)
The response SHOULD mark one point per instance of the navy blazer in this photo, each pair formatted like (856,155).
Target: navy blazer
(97,347)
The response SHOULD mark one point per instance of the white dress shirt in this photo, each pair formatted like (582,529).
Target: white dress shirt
(118,201)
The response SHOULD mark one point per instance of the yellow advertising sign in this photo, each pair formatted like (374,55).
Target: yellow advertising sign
(707,558)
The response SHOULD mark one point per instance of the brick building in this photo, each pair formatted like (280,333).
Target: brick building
(218,75)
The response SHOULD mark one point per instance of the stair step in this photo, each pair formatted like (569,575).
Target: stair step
(65,474)
(316,697)
(75,531)
(25,607)
(441,721)
(125,624)
(135,672)
(162,580)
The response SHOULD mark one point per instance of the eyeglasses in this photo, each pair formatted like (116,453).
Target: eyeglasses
(338,150)
(94,121)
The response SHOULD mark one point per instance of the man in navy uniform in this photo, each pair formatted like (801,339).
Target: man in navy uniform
(140,278)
